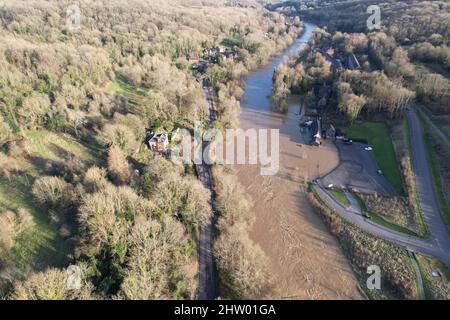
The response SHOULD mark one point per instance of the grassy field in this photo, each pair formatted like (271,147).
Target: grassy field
(40,245)
(341,197)
(381,221)
(430,136)
(435,288)
(121,87)
(437,179)
(377,135)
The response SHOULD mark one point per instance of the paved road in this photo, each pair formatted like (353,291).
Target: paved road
(438,244)
(207,269)
(415,263)
(430,122)
(425,187)
(208,284)
(425,246)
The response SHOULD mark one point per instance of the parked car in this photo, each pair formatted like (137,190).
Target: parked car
(368,148)
(307,123)
(348,142)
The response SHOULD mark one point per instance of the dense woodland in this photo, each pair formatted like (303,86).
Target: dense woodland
(404,61)
(77,184)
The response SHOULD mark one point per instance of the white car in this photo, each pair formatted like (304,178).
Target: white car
(368,148)
(330,186)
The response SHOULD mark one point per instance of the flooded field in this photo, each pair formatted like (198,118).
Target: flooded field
(306,260)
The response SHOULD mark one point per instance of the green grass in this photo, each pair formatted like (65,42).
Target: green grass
(377,134)
(427,287)
(40,245)
(435,172)
(341,197)
(230,42)
(427,265)
(442,267)
(381,221)
(46,144)
(424,110)
(120,86)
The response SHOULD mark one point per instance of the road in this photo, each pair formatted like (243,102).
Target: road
(425,187)
(416,267)
(208,283)
(426,246)
(438,244)
(439,132)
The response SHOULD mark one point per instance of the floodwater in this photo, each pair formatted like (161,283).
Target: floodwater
(306,261)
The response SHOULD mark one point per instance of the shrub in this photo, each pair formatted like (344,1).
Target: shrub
(106,215)
(120,136)
(106,218)
(50,285)
(95,180)
(241,264)
(53,192)
(7,230)
(158,266)
(11,225)
(183,197)
(56,122)
(118,166)
(5,131)
(70,169)
(7,165)
(34,109)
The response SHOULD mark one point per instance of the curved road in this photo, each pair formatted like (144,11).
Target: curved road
(438,244)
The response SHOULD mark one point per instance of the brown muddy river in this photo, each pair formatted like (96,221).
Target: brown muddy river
(306,260)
